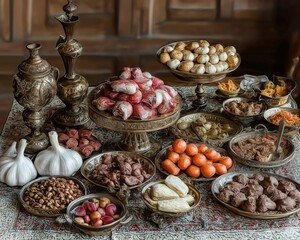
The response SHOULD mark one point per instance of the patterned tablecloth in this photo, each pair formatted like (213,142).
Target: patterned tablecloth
(209,220)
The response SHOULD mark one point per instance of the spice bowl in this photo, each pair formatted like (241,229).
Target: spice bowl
(49,196)
(104,227)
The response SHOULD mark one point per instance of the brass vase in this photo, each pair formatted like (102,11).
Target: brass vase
(34,86)
(72,88)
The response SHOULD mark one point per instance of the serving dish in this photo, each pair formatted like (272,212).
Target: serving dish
(91,164)
(244,119)
(220,182)
(199,78)
(276,110)
(191,133)
(124,217)
(161,156)
(42,211)
(273,101)
(288,150)
(192,190)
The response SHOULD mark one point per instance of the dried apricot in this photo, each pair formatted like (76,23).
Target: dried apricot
(199,159)
(191,149)
(179,145)
(208,170)
(193,171)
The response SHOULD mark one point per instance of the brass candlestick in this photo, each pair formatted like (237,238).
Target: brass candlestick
(34,86)
(71,88)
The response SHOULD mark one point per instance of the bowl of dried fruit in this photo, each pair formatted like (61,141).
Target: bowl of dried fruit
(49,196)
(229,88)
(97,213)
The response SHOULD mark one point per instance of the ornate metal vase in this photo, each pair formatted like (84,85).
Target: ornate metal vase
(34,86)
(71,87)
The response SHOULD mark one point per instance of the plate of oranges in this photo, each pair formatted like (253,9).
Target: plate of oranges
(198,161)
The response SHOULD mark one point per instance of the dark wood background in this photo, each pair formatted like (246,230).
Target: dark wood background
(119,33)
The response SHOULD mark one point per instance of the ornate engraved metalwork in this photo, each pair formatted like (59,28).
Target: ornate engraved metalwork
(71,87)
(34,86)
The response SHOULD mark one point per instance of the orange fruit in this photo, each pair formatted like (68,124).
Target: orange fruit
(212,154)
(179,145)
(227,161)
(202,148)
(193,171)
(173,156)
(191,149)
(184,162)
(199,159)
(220,168)
(208,170)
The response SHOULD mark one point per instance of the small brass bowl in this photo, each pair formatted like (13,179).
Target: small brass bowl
(47,212)
(103,229)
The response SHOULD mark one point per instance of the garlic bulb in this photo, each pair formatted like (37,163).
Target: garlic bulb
(219,47)
(219,67)
(15,168)
(203,58)
(164,57)
(176,54)
(198,69)
(214,58)
(202,50)
(203,43)
(57,160)
(212,50)
(173,64)
(210,68)
(188,55)
(223,56)
(168,49)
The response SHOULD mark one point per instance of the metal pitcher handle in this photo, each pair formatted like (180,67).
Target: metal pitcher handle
(56,72)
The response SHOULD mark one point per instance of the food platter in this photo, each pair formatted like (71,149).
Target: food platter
(285,157)
(191,134)
(198,78)
(220,182)
(161,156)
(192,191)
(90,165)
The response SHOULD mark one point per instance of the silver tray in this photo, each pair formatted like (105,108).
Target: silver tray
(161,156)
(222,180)
(190,135)
(289,151)
(90,164)
(192,190)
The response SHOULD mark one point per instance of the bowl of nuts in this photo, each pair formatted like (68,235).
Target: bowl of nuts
(49,196)
(97,213)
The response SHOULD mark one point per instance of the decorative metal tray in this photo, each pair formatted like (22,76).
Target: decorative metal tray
(192,190)
(161,156)
(191,134)
(288,151)
(90,164)
(222,180)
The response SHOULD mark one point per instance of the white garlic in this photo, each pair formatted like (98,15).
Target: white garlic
(168,49)
(176,54)
(212,50)
(223,56)
(219,47)
(230,49)
(219,67)
(173,63)
(210,68)
(232,60)
(164,57)
(203,58)
(202,50)
(198,69)
(214,58)
(187,55)
(203,43)
(225,65)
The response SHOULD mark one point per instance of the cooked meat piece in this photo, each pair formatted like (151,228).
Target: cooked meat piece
(72,143)
(286,186)
(62,137)
(86,150)
(269,189)
(234,186)
(286,204)
(131,180)
(73,133)
(269,180)
(264,203)
(253,181)
(277,195)
(257,176)
(241,178)
(224,195)
(85,133)
(249,204)
(237,199)
(254,190)
(125,168)
(295,194)
(145,174)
